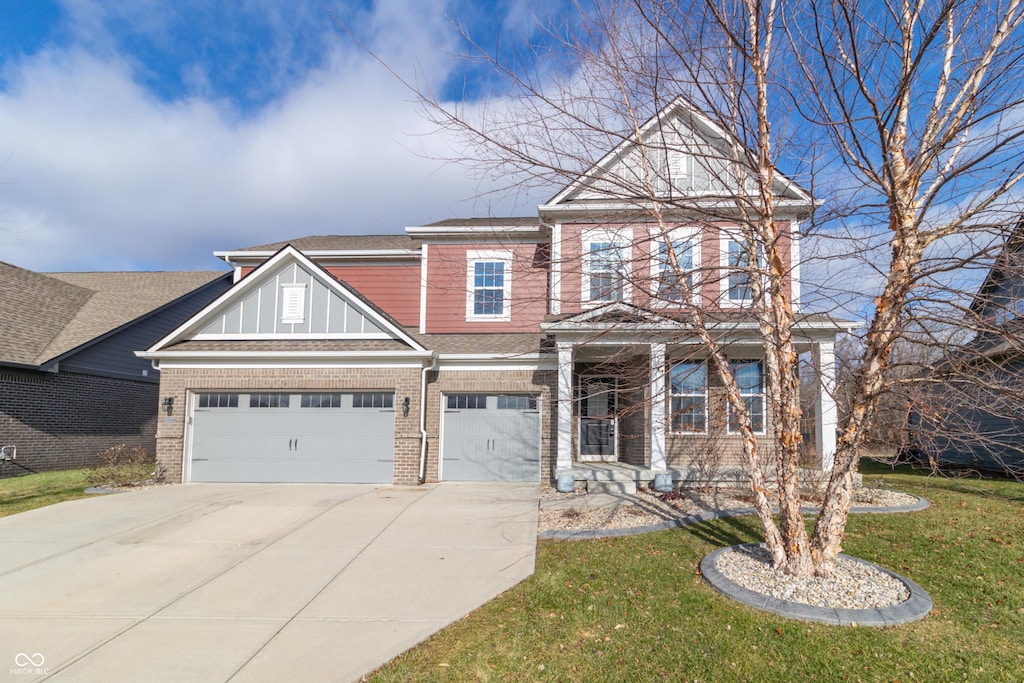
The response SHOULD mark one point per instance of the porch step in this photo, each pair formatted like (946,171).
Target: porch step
(612,486)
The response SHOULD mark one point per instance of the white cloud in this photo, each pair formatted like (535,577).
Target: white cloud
(102,175)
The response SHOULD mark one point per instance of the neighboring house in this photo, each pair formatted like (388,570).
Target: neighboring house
(70,383)
(481,349)
(972,412)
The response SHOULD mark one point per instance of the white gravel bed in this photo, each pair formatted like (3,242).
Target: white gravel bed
(647,509)
(853,585)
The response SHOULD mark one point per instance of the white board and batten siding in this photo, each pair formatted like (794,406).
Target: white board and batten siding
(293,303)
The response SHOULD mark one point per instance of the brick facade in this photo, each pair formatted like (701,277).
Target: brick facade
(179,383)
(62,421)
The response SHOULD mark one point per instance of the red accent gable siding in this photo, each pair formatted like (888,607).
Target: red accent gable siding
(447,288)
(393,288)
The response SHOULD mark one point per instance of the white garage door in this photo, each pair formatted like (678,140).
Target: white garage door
(345,437)
(491,437)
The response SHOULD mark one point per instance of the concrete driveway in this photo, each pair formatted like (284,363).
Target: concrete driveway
(240,582)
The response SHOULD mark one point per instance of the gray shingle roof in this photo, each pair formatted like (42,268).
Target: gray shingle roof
(484,222)
(340,243)
(45,315)
(34,309)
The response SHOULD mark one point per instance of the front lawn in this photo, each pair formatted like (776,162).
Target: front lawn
(636,608)
(18,494)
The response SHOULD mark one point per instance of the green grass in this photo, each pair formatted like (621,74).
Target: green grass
(18,494)
(636,608)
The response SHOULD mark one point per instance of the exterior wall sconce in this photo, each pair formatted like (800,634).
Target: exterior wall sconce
(405,406)
(168,404)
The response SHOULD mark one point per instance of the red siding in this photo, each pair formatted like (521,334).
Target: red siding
(395,289)
(447,287)
(641,238)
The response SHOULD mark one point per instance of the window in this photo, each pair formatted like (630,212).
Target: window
(517,403)
(293,303)
(218,400)
(673,280)
(689,389)
(268,400)
(467,401)
(605,267)
(373,399)
(738,264)
(321,400)
(749,376)
(489,285)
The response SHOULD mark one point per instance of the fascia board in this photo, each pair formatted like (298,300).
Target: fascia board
(325,254)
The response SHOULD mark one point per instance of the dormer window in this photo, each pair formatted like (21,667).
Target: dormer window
(489,286)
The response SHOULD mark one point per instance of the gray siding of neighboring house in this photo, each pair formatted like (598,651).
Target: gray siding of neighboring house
(977,424)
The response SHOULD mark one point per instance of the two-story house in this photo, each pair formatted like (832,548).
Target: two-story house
(515,349)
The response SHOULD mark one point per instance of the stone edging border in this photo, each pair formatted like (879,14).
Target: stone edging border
(916,607)
(679,522)
(101,490)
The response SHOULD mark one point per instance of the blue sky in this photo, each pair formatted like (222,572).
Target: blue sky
(144,134)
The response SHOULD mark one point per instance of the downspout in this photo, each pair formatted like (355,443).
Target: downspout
(423,415)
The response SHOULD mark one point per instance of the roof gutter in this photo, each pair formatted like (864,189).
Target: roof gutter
(423,416)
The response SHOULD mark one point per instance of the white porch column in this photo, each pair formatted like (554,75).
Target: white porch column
(564,456)
(657,424)
(826,417)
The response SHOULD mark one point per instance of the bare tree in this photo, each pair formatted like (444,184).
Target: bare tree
(904,114)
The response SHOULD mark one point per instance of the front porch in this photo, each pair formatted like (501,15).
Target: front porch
(629,410)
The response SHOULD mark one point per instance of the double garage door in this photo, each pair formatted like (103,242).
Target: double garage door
(293,437)
(490,437)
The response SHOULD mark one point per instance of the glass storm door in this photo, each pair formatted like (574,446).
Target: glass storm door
(598,419)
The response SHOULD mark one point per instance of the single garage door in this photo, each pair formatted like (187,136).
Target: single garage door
(294,437)
(491,437)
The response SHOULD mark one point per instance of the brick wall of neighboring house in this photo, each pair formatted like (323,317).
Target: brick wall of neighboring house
(543,383)
(65,420)
(178,382)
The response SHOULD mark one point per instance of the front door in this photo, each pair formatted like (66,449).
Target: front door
(598,398)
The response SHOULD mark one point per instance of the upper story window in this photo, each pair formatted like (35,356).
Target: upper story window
(689,385)
(605,267)
(675,266)
(737,271)
(749,376)
(489,290)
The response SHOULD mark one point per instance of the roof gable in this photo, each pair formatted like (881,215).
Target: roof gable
(678,154)
(288,297)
